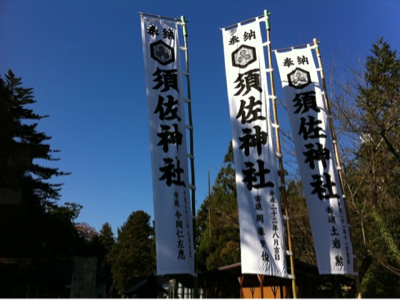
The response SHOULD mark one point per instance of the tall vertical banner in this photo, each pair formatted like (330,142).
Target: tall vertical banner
(316,159)
(171,198)
(262,233)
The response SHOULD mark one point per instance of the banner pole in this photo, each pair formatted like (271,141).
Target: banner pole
(191,150)
(279,153)
(159,17)
(339,167)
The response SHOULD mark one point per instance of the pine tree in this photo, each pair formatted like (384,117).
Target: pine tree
(21,142)
(106,238)
(133,254)
(218,221)
(371,113)
(31,224)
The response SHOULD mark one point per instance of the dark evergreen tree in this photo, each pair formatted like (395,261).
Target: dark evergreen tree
(31,224)
(371,113)
(106,238)
(133,254)
(218,222)
(21,142)
(302,239)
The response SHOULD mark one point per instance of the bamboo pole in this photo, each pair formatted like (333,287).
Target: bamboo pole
(191,155)
(339,168)
(241,279)
(279,154)
(261,281)
(159,17)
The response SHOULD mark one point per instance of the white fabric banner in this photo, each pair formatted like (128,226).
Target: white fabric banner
(316,159)
(262,235)
(171,198)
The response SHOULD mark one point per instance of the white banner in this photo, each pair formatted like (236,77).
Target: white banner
(316,159)
(262,234)
(172,207)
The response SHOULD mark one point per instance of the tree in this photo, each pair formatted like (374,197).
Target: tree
(106,238)
(34,226)
(21,143)
(302,239)
(218,222)
(369,111)
(106,241)
(86,232)
(133,254)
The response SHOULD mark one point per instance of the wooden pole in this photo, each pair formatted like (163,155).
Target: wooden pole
(191,145)
(261,280)
(279,154)
(241,278)
(336,149)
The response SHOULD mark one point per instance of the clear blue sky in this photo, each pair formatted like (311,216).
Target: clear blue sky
(84,60)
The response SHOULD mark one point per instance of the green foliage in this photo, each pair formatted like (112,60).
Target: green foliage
(32,232)
(106,237)
(21,143)
(36,227)
(218,222)
(133,254)
(373,172)
(302,240)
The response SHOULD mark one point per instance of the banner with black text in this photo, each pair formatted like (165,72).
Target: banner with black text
(316,159)
(262,233)
(171,198)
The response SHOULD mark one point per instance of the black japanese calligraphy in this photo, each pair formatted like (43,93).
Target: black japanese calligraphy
(152,30)
(249,35)
(305,101)
(339,261)
(277,253)
(168,34)
(288,62)
(171,172)
(250,112)
(336,243)
(260,218)
(320,153)
(260,230)
(167,137)
(334,231)
(247,81)
(256,140)
(256,179)
(323,190)
(302,60)
(258,205)
(168,79)
(331,216)
(265,256)
(234,40)
(176,199)
(309,129)
(167,109)
(181,252)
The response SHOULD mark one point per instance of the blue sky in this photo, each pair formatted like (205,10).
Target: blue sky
(84,60)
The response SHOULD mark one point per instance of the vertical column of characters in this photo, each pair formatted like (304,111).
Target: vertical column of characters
(169,141)
(314,147)
(256,173)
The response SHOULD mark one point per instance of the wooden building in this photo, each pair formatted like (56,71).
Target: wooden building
(229,282)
